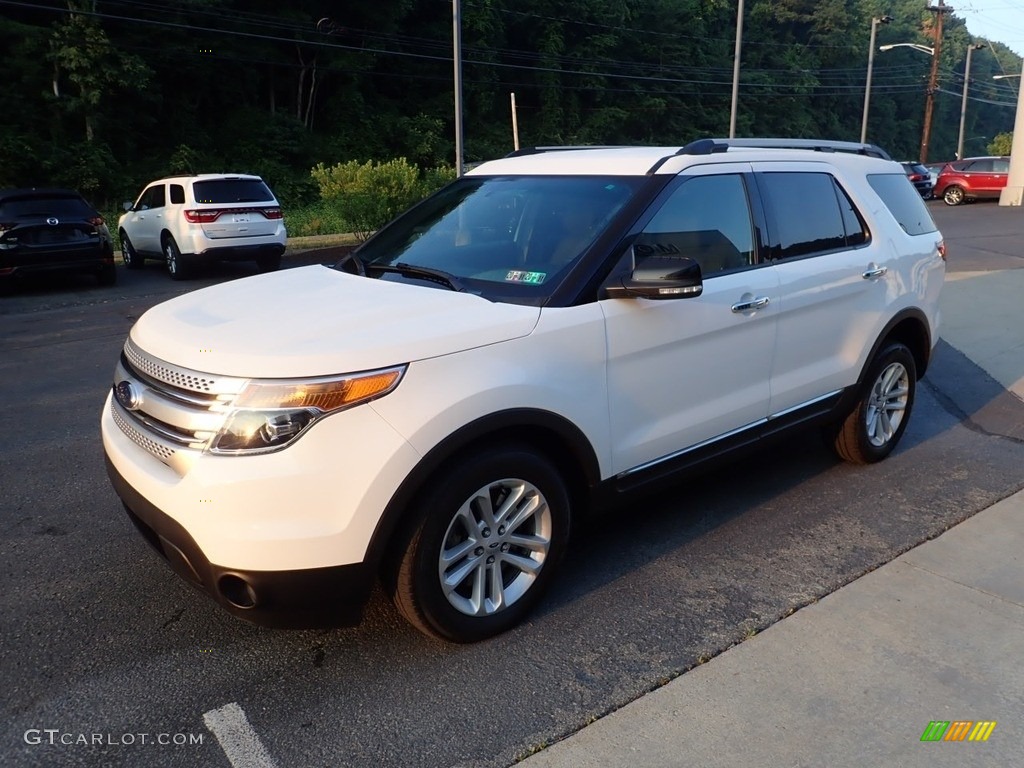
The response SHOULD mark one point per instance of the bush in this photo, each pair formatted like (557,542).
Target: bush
(369,195)
(320,218)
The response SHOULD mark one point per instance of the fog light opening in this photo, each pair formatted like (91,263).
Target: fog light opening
(237,591)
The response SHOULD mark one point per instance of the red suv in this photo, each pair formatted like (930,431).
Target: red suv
(972,178)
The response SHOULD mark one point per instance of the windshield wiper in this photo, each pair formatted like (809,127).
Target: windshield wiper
(357,260)
(423,273)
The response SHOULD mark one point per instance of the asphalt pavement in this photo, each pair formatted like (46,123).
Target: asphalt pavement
(916,663)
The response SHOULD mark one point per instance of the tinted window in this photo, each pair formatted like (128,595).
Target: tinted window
(30,206)
(1000,166)
(806,211)
(177,194)
(903,202)
(232,191)
(707,218)
(856,229)
(154,197)
(979,166)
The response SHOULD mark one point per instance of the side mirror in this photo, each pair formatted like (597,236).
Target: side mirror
(127,205)
(660,277)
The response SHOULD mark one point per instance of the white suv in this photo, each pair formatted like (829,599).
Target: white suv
(551,330)
(185,220)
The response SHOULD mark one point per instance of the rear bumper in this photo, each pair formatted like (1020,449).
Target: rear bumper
(309,598)
(25,263)
(241,252)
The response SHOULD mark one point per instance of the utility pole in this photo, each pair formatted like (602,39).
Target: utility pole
(939,10)
(736,70)
(457,58)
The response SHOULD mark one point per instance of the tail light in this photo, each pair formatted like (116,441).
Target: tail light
(942,249)
(207,215)
(202,217)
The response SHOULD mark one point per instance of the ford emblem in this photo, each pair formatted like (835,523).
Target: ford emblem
(129,397)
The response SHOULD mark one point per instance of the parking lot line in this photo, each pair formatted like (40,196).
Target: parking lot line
(237,737)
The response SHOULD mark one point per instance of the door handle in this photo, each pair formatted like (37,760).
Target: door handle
(871,274)
(748,306)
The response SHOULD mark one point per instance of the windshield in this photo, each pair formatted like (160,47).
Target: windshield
(505,238)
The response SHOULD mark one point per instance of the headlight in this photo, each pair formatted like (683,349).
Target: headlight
(270,413)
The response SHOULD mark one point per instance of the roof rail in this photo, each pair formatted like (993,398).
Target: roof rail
(707,146)
(541,150)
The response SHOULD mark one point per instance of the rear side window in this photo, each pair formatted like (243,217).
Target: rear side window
(903,201)
(232,191)
(177,194)
(810,214)
(37,205)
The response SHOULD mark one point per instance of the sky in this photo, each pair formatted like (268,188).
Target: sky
(1001,21)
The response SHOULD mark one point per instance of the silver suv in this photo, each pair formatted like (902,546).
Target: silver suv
(185,220)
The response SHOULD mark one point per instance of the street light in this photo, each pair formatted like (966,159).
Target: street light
(915,46)
(867,88)
(933,79)
(963,102)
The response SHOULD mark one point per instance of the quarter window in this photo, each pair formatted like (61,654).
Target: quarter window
(903,201)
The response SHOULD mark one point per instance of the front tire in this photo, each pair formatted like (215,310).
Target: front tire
(129,255)
(176,267)
(876,424)
(487,540)
(954,195)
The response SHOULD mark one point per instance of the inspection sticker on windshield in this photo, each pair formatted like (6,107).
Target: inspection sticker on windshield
(518,276)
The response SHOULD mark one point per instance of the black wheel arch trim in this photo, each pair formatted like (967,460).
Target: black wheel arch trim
(520,425)
(896,330)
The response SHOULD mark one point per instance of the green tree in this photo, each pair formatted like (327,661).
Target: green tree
(84,56)
(1001,144)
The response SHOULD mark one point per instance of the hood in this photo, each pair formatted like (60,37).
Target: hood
(315,321)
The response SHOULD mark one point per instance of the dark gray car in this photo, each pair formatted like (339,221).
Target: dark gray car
(52,230)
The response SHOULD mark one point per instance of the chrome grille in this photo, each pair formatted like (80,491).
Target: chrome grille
(178,410)
(165,372)
(162,452)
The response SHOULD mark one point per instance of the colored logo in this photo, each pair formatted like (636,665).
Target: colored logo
(958,730)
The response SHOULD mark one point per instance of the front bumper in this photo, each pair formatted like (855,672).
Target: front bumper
(306,598)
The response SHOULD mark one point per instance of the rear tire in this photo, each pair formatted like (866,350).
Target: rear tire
(485,543)
(176,266)
(268,263)
(107,275)
(876,424)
